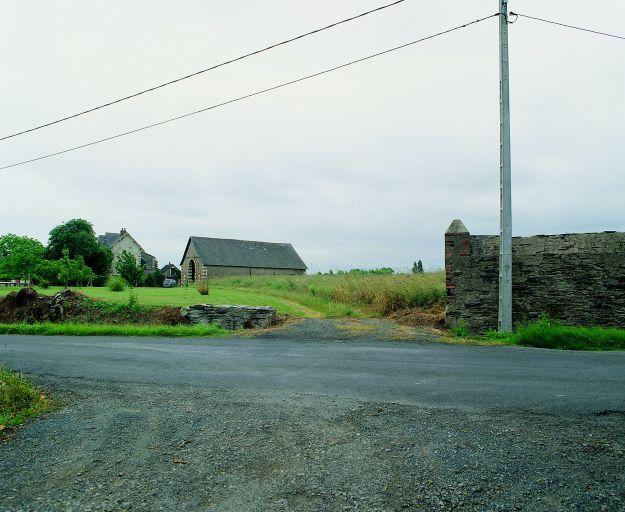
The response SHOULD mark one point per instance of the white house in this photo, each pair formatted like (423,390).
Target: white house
(123,241)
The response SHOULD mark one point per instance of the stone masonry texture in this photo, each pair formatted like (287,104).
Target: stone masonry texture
(230,317)
(577,278)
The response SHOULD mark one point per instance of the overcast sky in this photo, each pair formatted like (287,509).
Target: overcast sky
(364,167)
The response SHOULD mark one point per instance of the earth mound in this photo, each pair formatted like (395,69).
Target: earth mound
(26,305)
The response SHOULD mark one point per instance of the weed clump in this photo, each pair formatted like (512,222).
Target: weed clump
(202,288)
(19,399)
(116,284)
(461,330)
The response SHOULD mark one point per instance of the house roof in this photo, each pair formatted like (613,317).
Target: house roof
(108,239)
(245,253)
(168,266)
(149,260)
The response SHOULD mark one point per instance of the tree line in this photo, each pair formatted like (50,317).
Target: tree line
(72,256)
(417,268)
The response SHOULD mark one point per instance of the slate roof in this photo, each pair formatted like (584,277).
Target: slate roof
(148,260)
(169,266)
(245,253)
(108,239)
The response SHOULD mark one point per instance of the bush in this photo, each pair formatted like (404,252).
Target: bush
(126,266)
(133,303)
(44,283)
(116,284)
(154,279)
(202,288)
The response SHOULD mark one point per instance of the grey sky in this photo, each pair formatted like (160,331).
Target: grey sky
(365,167)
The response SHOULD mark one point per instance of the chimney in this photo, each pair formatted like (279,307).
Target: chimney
(122,231)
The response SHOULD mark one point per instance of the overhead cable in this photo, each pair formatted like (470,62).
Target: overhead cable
(256,93)
(211,68)
(583,29)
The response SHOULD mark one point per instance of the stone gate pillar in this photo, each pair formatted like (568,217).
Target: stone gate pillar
(457,254)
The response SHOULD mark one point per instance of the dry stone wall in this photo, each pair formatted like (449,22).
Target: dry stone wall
(230,317)
(577,278)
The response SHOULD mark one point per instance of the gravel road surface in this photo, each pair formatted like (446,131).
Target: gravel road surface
(310,418)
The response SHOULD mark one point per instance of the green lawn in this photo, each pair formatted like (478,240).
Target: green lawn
(188,296)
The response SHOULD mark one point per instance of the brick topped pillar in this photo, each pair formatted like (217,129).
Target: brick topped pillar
(457,253)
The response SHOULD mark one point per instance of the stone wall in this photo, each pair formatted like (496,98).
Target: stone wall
(577,278)
(208,271)
(230,317)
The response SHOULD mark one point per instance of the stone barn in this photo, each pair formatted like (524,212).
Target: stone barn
(214,257)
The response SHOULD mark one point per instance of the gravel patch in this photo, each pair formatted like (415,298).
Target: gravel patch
(347,329)
(129,446)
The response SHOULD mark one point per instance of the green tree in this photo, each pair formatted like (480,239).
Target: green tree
(48,271)
(154,278)
(417,267)
(74,270)
(19,256)
(383,271)
(126,266)
(78,237)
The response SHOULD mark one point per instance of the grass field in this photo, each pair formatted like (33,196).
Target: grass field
(333,296)
(187,296)
(19,399)
(350,294)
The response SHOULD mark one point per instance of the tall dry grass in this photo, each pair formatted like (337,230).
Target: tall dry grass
(380,294)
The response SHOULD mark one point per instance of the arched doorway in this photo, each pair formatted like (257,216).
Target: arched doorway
(191,270)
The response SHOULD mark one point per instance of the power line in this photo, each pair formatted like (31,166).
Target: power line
(567,26)
(211,68)
(250,95)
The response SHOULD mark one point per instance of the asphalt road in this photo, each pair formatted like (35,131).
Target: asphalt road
(432,374)
(295,424)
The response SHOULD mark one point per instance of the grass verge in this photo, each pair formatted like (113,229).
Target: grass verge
(74,329)
(19,399)
(548,333)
